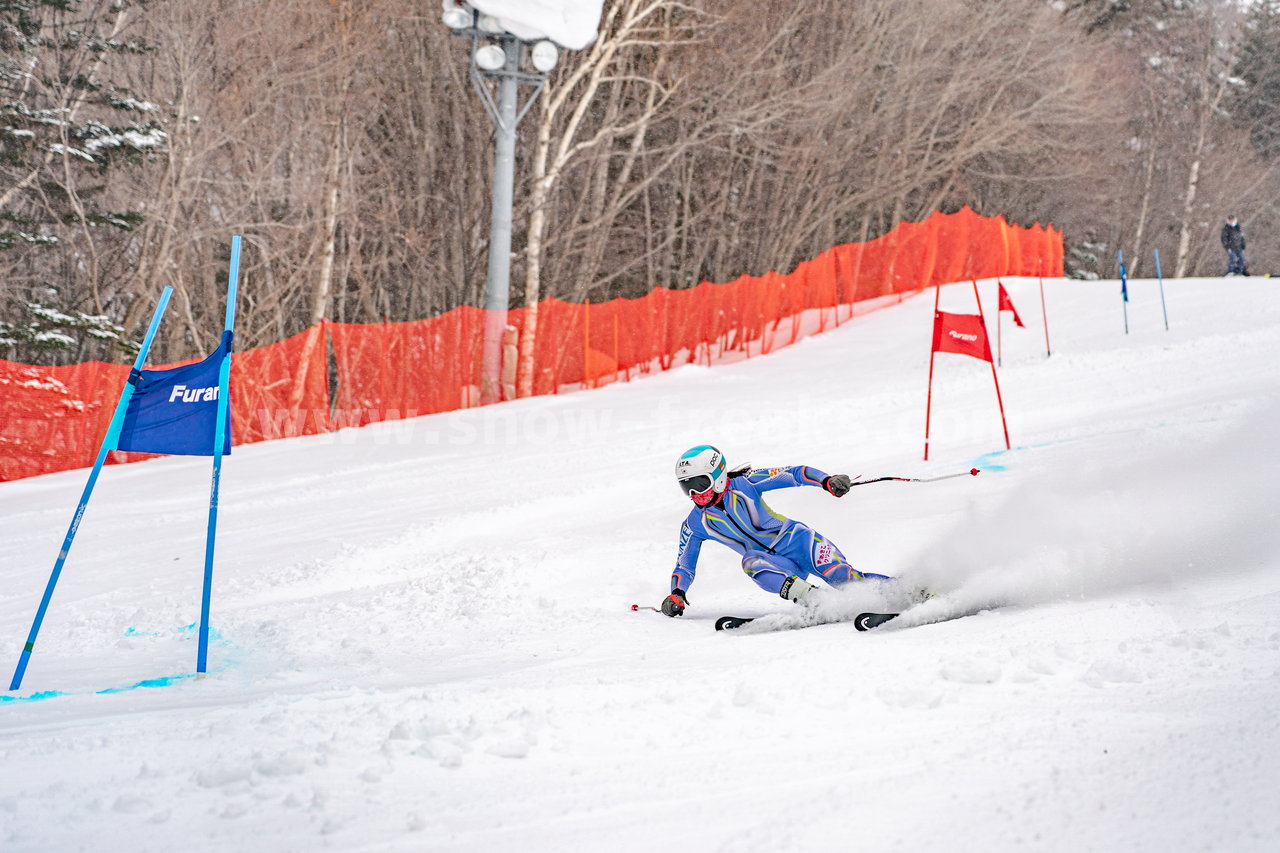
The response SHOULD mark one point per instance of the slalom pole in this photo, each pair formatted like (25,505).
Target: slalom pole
(1124,290)
(971,472)
(933,349)
(999,400)
(1044,314)
(219,440)
(999,327)
(1160,278)
(108,444)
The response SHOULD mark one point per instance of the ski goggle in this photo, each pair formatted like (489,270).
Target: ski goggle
(695,485)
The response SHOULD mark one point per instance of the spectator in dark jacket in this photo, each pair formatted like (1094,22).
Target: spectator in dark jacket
(1233,242)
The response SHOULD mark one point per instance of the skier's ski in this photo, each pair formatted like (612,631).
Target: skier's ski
(867,621)
(863,621)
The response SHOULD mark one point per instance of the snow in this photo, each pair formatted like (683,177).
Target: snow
(59,148)
(423,637)
(570,23)
(150,138)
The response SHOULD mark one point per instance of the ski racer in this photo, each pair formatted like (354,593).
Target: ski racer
(779,554)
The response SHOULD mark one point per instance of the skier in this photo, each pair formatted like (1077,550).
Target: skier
(1233,242)
(779,554)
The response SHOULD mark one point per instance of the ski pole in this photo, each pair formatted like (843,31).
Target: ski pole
(971,472)
(645,607)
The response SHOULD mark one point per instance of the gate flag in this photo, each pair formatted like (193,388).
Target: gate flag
(175,411)
(182,410)
(963,334)
(1006,304)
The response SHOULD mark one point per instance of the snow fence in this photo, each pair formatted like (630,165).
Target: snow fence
(53,418)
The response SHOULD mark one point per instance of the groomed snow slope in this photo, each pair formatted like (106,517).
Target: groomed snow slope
(424,638)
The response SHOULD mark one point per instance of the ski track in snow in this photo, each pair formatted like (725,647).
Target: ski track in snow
(423,638)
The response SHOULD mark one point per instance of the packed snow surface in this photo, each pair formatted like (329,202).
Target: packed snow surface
(423,634)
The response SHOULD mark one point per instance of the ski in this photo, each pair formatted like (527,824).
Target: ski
(867,621)
(863,621)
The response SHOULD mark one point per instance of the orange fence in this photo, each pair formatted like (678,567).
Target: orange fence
(52,418)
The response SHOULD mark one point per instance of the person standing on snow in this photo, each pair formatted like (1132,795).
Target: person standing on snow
(1233,242)
(779,554)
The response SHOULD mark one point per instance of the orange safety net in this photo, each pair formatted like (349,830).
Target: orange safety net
(387,371)
(281,390)
(53,418)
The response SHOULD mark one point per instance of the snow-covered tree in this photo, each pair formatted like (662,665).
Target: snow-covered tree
(41,333)
(65,128)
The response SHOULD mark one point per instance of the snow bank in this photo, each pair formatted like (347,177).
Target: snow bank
(424,638)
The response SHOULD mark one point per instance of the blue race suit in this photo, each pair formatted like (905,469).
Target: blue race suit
(773,547)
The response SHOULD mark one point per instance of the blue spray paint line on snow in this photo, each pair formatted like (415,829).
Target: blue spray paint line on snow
(992,461)
(187,632)
(34,697)
(986,462)
(165,681)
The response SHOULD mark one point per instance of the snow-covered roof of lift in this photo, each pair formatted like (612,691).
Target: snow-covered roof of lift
(568,23)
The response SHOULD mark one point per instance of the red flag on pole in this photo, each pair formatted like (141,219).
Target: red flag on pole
(1006,304)
(963,334)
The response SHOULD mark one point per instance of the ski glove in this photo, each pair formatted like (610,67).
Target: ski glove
(838,484)
(675,603)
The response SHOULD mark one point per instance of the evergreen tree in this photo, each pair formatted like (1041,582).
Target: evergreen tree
(65,129)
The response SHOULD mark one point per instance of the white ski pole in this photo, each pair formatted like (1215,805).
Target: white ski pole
(971,472)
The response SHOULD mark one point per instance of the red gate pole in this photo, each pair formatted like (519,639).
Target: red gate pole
(999,327)
(1044,314)
(999,400)
(933,349)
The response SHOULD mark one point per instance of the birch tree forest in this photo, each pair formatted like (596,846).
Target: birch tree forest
(694,140)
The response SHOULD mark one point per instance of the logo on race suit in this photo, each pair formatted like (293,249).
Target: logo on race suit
(960,336)
(183,394)
(824,553)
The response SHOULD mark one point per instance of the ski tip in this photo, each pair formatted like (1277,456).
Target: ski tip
(867,621)
(728,623)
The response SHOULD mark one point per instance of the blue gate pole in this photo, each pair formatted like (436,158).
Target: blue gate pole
(1161,279)
(219,439)
(1124,290)
(108,444)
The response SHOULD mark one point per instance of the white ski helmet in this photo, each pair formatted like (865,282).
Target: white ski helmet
(702,472)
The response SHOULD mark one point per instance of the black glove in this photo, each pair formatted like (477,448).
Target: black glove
(675,603)
(838,484)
